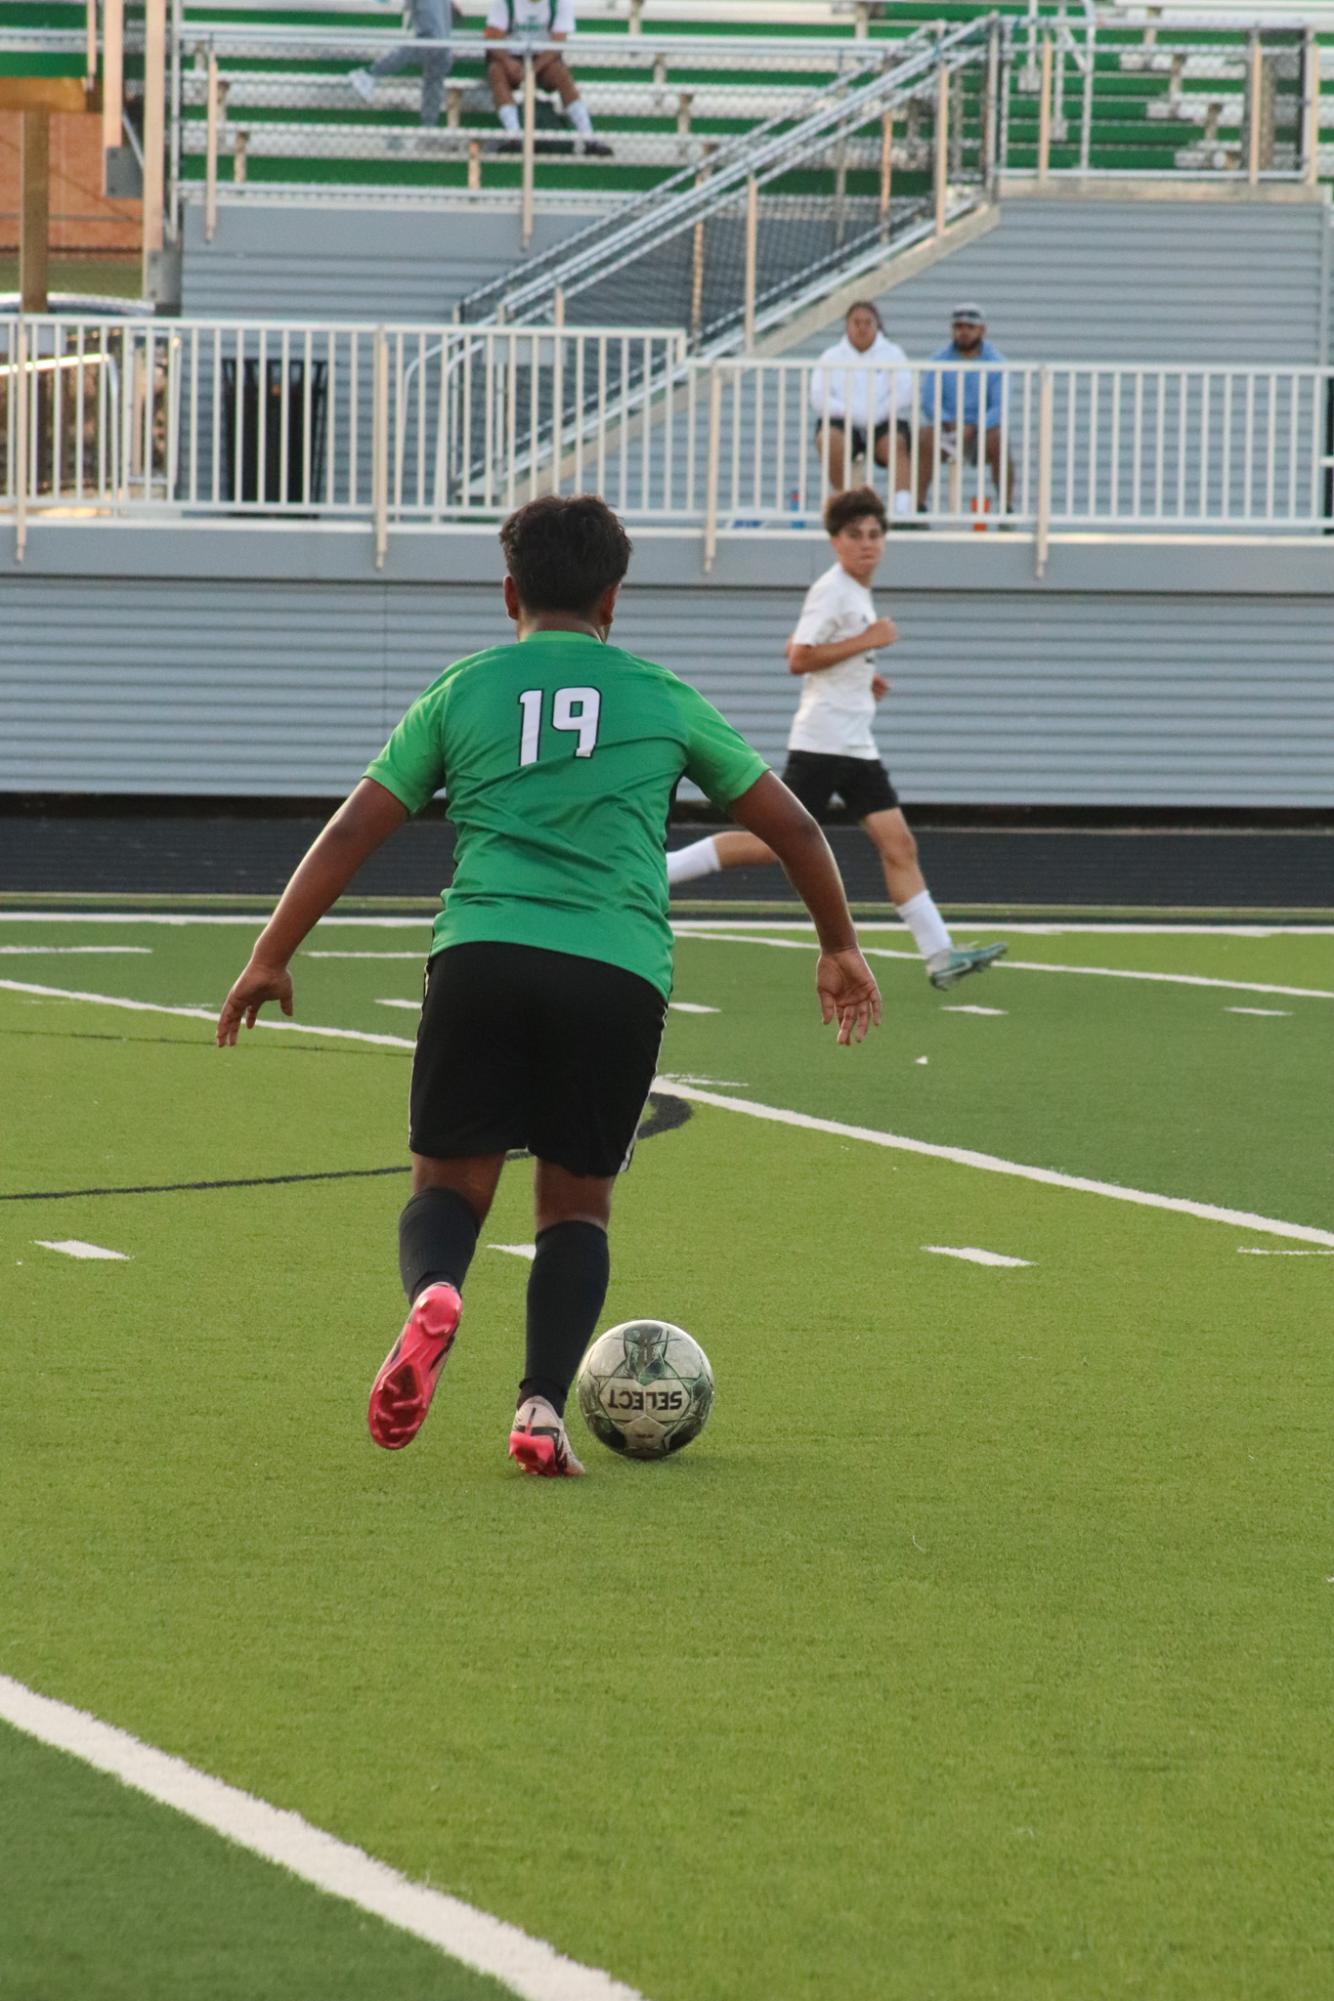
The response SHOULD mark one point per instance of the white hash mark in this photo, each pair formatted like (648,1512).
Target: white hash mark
(972,1256)
(74,1247)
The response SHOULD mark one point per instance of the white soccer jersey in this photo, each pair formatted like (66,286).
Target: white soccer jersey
(837,707)
(538,18)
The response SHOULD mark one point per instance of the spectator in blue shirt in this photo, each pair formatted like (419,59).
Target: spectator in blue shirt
(972,403)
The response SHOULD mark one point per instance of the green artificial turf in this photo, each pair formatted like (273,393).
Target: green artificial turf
(110,1897)
(975,1650)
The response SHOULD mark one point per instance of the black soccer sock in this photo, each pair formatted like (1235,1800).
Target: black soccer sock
(437,1235)
(566,1288)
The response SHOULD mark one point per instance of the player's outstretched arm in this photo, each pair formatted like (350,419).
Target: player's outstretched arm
(364,820)
(843,980)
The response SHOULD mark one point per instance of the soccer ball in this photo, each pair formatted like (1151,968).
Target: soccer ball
(645,1388)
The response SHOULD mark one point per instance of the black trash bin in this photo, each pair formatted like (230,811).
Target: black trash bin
(302,486)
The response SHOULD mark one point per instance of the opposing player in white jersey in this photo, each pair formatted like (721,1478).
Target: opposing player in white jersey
(830,747)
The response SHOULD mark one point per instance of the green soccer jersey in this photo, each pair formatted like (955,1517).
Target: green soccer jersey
(559,757)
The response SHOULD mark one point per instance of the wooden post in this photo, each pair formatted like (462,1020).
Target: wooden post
(1254,109)
(942,145)
(886,171)
(752,256)
(155,129)
(35,215)
(529,145)
(211,151)
(1044,114)
(90,42)
(113,73)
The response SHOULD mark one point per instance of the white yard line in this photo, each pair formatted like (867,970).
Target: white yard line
(181,921)
(1106,927)
(988,1163)
(516,1250)
(413,1006)
(202,1014)
(1261,1251)
(971,1255)
(1037,966)
(74,951)
(1272,1013)
(418,958)
(991,1163)
(74,1247)
(525,1965)
(963,1008)
(691,1007)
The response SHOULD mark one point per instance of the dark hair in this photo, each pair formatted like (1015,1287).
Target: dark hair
(563,553)
(842,509)
(864,306)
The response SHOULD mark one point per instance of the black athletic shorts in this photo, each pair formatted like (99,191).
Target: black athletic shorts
(521,1047)
(862,783)
(882,430)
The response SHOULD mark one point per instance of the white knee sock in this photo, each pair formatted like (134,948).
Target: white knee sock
(577,113)
(700,858)
(508,115)
(927,925)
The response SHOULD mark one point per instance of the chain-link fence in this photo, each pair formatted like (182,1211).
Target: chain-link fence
(1158,102)
(902,145)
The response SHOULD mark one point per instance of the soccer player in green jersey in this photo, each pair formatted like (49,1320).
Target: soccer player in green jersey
(551,962)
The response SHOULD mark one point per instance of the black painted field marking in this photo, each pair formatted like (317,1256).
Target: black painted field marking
(665,1114)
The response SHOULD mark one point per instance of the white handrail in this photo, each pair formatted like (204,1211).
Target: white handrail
(411,428)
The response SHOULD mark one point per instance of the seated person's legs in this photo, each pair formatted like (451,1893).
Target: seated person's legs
(503,73)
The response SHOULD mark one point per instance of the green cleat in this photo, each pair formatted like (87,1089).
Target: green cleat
(967,959)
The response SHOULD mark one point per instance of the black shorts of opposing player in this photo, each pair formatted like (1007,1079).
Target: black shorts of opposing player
(523,1047)
(862,783)
(858,435)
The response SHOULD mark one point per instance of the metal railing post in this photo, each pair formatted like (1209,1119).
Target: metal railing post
(886,172)
(113,73)
(1254,100)
(991,110)
(211,149)
(711,474)
(1044,113)
(155,128)
(1311,134)
(380,446)
(697,268)
(529,148)
(90,42)
(942,162)
(752,257)
(1042,525)
(1090,73)
(20,381)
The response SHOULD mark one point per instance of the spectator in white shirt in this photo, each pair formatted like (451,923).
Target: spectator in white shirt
(858,406)
(535,21)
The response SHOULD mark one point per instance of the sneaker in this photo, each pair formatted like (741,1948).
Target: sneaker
(363,83)
(539,1442)
(402,1392)
(967,959)
(596,149)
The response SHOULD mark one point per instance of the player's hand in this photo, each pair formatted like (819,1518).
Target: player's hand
(880,687)
(848,993)
(883,633)
(257,984)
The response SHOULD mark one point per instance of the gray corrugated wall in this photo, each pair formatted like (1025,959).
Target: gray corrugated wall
(336,263)
(1180,282)
(288,689)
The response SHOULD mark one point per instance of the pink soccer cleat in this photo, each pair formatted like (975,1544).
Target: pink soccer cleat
(539,1442)
(401,1394)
